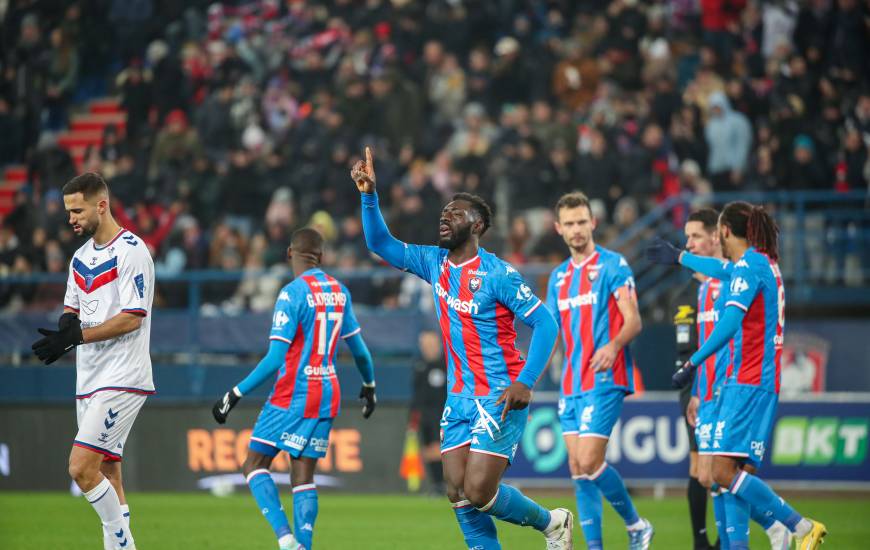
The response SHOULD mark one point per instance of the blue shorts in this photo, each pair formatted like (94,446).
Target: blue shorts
(477,422)
(277,430)
(742,428)
(708,412)
(591,414)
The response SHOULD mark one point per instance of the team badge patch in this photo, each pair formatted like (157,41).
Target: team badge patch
(89,280)
(474,284)
(592,272)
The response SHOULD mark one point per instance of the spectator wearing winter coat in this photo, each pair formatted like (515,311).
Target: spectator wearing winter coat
(729,137)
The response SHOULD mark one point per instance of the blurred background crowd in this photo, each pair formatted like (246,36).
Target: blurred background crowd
(243,118)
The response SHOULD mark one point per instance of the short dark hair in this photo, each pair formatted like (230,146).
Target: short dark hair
(307,239)
(479,205)
(574,199)
(707,216)
(88,184)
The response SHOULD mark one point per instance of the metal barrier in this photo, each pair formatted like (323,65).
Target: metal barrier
(824,242)
(842,218)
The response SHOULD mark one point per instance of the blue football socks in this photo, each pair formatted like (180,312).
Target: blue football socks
(590,509)
(737,521)
(510,505)
(477,528)
(719,513)
(610,483)
(266,494)
(758,494)
(304,513)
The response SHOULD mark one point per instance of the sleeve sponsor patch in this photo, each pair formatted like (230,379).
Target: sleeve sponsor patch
(139,281)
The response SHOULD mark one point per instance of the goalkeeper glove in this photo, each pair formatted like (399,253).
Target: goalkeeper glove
(683,376)
(368,398)
(57,342)
(663,252)
(225,404)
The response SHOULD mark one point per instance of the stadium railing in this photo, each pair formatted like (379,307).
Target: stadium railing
(824,244)
(825,261)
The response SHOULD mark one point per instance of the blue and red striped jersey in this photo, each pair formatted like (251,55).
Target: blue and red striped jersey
(583,299)
(476,303)
(311,314)
(710,375)
(756,287)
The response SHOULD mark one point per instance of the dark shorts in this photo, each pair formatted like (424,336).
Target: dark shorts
(430,430)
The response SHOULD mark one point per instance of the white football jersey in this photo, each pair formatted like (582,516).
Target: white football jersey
(103,282)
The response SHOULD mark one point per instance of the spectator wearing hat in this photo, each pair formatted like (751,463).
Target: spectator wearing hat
(805,171)
(511,78)
(176,144)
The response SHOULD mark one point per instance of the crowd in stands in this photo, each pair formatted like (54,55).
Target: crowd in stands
(243,118)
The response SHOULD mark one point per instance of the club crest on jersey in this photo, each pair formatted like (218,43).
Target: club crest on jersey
(89,280)
(474,284)
(592,273)
(94,261)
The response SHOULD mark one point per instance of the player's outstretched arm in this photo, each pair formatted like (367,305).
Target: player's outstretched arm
(664,253)
(378,237)
(705,265)
(267,366)
(363,359)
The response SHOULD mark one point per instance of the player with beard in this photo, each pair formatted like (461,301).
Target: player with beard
(593,295)
(477,297)
(108,296)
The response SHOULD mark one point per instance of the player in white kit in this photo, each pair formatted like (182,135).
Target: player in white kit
(106,315)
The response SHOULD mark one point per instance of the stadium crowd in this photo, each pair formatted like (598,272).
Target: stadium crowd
(244,117)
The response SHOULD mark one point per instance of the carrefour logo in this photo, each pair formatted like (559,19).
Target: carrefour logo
(820,441)
(543,445)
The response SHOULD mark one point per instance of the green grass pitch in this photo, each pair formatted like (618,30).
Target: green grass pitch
(374,522)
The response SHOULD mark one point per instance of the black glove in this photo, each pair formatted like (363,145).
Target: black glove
(225,404)
(67,319)
(663,252)
(683,376)
(368,398)
(58,342)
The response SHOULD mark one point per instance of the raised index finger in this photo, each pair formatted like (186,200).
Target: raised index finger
(370,164)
